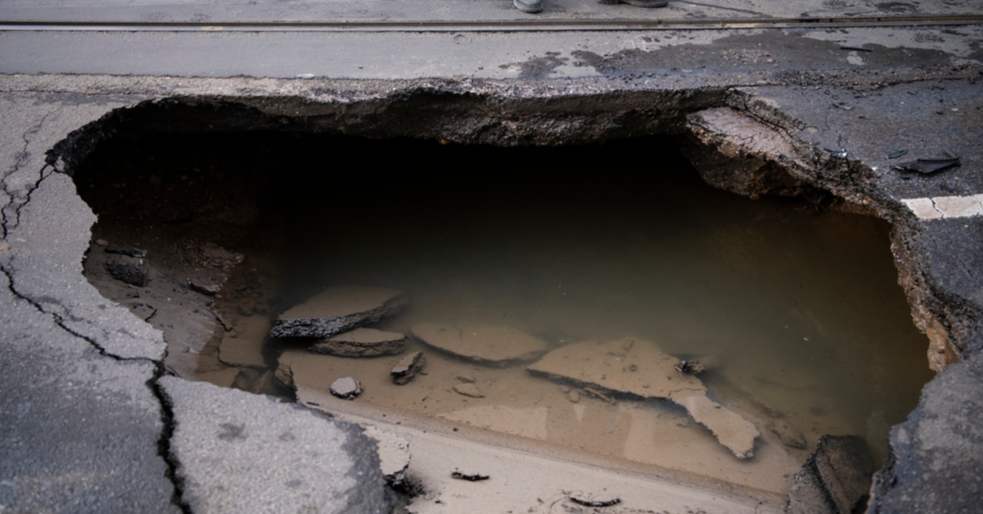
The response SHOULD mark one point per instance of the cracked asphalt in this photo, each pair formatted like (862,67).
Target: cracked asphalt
(89,424)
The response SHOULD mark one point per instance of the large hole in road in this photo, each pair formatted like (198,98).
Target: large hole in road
(793,308)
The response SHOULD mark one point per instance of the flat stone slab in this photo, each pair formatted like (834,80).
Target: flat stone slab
(640,368)
(243,346)
(337,310)
(239,452)
(362,342)
(406,369)
(494,345)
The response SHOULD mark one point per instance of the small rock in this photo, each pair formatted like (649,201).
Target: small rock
(573,395)
(467,379)
(131,270)
(337,310)
(468,390)
(362,342)
(407,368)
(102,242)
(346,388)
(209,289)
(284,374)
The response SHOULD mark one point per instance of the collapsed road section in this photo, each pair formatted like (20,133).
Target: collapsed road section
(78,365)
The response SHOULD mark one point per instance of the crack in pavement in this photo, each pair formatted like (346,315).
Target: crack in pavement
(166,408)
(21,159)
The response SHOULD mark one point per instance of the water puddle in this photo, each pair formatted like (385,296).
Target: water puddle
(797,309)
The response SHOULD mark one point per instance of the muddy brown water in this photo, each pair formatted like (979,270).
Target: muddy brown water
(799,306)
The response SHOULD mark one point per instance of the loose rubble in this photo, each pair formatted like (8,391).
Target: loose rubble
(362,342)
(337,310)
(406,369)
(485,344)
(640,368)
(346,388)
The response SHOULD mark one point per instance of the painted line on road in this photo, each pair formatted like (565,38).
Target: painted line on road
(946,207)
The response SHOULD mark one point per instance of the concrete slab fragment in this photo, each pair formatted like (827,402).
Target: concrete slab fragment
(362,342)
(639,368)
(245,453)
(486,344)
(336,310)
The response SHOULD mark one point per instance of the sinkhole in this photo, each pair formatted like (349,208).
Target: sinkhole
(794,306)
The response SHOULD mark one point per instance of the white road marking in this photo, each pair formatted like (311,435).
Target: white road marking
(942,207)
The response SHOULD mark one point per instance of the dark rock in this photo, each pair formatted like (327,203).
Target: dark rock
(346,388)
(209,289)
(362,342)
(132,270)
(407,368)
(337,310)
(835,478)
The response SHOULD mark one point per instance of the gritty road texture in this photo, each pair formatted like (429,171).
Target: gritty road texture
(83,408)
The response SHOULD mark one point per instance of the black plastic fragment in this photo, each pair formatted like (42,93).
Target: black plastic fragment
(470,478)
(928,166)
(595,503)
(896,154)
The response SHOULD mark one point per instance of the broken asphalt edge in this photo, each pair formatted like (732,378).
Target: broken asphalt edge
(934,293)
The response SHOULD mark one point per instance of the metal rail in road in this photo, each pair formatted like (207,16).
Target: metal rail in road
(495,26)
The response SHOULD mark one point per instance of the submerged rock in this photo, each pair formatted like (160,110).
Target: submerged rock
(346,388)
(485,344)
(362,342)
(337,310)
(468,389)
(639,368)
(834,479)
(407,368)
